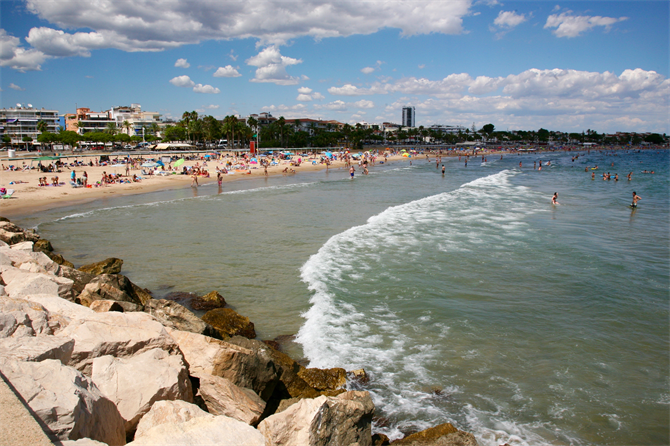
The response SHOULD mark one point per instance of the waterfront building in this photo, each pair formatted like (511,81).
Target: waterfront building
(86,121)
(408,116)
(21,121)
(137,120)
(450,129)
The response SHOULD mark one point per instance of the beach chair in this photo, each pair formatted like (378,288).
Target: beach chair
(7,193)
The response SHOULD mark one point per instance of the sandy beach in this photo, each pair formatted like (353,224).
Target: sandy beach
(29,197)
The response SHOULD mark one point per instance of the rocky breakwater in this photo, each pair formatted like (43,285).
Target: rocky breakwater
(97,360)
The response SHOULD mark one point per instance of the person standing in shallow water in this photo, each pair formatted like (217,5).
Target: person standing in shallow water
(636,198)
(554,199)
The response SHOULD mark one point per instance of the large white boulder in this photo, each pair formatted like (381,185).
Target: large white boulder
(61,309)
(16,256)
(135,383)
(168,412)
(37,349)
(20,317)
(341,420)
(202,431)
(243,367)
(66,401)
(22,284)
(23,246)
(222,397)
(117,334)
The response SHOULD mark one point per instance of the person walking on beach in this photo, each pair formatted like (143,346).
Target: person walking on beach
(351,172)
(554,199)
(194,179)
(636,198)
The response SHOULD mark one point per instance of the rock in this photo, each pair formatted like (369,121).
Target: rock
(230,323)
(21,284)
(59,259)
(42,246)
(324,379)
(208,302)
(60,309)
(23,246)
(20,317)
(37,349)
(202,431)
(222,397)
(6,225)
(17,256)
(117,334)
(168,412)
(135,383)
(82,442)
(342,420)
(285,404)
(111,265)
(79,278)
(176,316)
(65,400)
(11,238)
(380,440)
(102,306)
(442,435)
(242,366)
(359,376)
(113,287)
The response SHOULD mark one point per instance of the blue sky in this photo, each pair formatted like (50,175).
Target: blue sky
(567,66)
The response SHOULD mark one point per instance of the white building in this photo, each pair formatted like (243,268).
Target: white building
(135,117)
(451,129)
(21,121)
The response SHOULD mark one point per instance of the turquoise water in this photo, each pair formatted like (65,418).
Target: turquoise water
(468,297)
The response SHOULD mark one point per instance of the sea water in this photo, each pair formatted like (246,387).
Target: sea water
(467,297)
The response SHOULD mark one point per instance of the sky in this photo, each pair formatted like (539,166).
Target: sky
(522,65)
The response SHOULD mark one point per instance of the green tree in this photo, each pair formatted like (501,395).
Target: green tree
(127,125)
(543,135)
(281,123)
(42,126)
(111,128)
(654,138)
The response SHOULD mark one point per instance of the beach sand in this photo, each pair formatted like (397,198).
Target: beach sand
(29,197)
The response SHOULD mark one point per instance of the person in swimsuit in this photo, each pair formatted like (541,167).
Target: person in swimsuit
(636,198)
(554,199)
(351,172)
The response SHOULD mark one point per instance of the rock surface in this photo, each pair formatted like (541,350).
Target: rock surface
(20,317)
(65,400)
(240,365)
(442,435)
(222,397)
(342,420)
(135,383)
(176,316)
(103,306)
(209,301)
(230,323)
(324,379)
(117,334)
(113,287)
(168,412)
(202,431)
(37,349)
(111,265)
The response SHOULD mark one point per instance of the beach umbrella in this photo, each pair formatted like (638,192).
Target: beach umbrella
(405,155)
(328,154)
(179,162)
(148,164)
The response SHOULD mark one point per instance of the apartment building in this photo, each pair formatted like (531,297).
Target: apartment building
(21,121)
(136,118)
(86,121)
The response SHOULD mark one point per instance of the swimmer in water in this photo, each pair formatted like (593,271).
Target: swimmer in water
(630,176)
(554,199)
(636,198)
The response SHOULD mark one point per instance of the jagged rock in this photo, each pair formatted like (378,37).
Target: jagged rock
(4,219)
(111,265)
(10,237)
(21,284)
(63,310)
(342,420)
(43,245)
(380,440)
(209,301)
(202,431)
(168,412)
(360,376)
(59,259)
(20,317)
(79,278)
(135,383)
(285,404)
(23,246)
(222,397)
(17,256)
(65,400)
(30,267)
(230,323)
(176,316)
(240,365)
(82,442)
(102,306)
(37,349)
(442,435)
(117,334)
(9,226)
(113,287)
(324,379)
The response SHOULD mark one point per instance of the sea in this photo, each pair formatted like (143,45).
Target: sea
(467,297)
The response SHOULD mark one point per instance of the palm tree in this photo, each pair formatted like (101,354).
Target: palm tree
(111,128)
(80,127)
(42,126)
(229,123)
(253,123)
(127,125)
(281,122)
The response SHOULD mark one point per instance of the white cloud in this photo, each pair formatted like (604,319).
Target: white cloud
(367,70)
(57,43)
(568,25)
(14,56)
(272,67)
(147,25)
(422,66)
(182,81)
(13,86)
(509,19)
(364,104)
(303,98)
(207,89)
(232,55)
(212,107)
(336,106)
(304,90)
(182,63)
(227,71)
(349,90)
(318,95)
